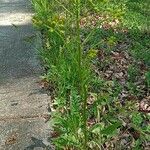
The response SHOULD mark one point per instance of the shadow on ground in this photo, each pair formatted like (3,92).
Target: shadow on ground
(18,52)
(37,144)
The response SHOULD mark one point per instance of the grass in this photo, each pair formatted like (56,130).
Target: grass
(99,71)
(138,12)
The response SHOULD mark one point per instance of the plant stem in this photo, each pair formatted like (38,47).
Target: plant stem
(82,87)
(85,116)
(78,37)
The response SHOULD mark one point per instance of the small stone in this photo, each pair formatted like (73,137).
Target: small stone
(14,104)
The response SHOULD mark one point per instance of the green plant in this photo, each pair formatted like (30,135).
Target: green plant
(133,73)
(67,66)
(147,75)
(86,111)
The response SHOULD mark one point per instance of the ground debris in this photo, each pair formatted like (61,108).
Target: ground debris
(12,139)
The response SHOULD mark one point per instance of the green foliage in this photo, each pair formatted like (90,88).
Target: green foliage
(137,118)
(147,75)
(87,113)
(115,9)
(138,11)
(133,73)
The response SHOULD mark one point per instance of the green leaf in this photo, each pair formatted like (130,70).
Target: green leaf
(137,118)
(111,128)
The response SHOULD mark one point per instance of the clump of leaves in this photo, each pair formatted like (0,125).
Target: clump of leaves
(86,111)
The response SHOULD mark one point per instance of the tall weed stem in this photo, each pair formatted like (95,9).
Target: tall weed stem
(82,87)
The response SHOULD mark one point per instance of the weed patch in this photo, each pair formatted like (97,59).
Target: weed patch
(90,57)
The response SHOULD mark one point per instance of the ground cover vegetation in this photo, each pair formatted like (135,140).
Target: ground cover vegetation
(96,56)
